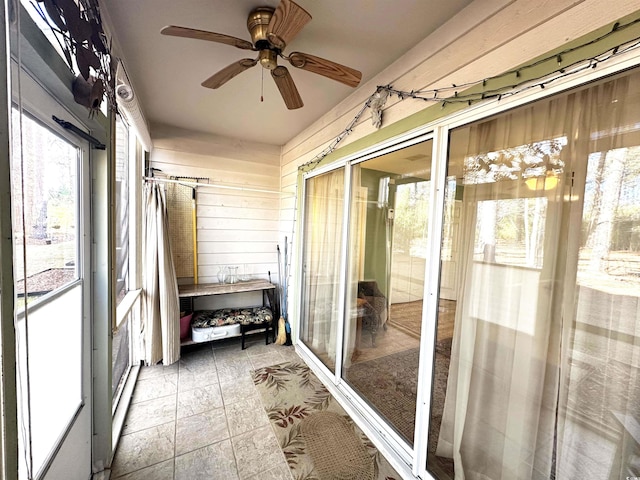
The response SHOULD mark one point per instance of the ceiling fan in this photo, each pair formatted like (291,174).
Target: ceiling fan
(271,30)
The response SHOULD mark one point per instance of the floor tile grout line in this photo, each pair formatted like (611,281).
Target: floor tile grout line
(175,422)
(142,468)
(187,452)
(145,429)
(175,454)
(233,450)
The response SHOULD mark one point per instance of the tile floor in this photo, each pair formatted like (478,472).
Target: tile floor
(202,418)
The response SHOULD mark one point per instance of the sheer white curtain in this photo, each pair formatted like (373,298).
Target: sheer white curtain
(323,237)
(161,308)
(497,412)
(532,321)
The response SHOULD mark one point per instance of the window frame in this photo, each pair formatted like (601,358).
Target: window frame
(130,306)
(82,224)
(134,152)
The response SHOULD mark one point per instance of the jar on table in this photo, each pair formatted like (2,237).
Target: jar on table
(232,276)
(222,274)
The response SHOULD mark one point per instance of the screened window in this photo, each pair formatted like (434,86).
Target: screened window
(123,150)
(45,210)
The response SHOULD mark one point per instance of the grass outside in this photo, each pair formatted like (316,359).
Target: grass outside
(41,257)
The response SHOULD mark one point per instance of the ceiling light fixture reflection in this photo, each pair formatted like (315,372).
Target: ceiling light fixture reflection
(549,181)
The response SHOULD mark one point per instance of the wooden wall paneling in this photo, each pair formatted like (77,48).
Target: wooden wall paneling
(217,170)
(240,213)
(233,258)
(235,198)
(234,226)
(259,245)
(239,225)
(531,43)
(256,235)
(288,203)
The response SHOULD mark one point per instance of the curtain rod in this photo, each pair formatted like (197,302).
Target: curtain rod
(211,185)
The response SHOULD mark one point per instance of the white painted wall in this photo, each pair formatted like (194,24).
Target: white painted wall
(235,227)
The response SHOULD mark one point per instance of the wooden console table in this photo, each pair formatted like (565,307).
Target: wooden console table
(208,289)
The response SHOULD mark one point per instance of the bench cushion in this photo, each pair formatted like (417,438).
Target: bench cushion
(231,316)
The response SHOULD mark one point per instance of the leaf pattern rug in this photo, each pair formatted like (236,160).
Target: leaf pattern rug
(290,392)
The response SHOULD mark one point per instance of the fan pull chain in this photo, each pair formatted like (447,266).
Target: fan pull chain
(262,85)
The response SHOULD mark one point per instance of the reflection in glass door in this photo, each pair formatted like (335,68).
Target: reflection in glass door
(388,244)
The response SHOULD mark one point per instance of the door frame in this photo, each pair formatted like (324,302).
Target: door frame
(36,102)
(27,44)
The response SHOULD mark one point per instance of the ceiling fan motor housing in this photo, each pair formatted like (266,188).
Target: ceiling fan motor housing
(258,24)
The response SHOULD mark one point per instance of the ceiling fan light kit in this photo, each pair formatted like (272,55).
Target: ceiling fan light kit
(271,30)
(268,59)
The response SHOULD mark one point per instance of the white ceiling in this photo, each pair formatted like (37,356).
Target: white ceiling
(166,72)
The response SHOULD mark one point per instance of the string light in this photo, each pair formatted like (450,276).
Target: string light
(452,94)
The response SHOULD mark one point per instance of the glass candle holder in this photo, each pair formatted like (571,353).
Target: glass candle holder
(232,276)
(222,274)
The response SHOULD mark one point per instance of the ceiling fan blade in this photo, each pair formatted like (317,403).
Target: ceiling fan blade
(205,35)
(227,73)
(326,68)
(286,22)
(287,88)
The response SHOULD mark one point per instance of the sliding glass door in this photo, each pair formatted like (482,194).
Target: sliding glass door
(533,304)
(540,377)
(387,253)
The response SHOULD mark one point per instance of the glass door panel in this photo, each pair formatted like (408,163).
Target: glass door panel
(50,261)
(492,383)
(320,312)
(599,434)
(537,372)
(54,373)
(388,245)
(46,206)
